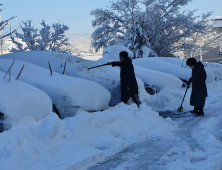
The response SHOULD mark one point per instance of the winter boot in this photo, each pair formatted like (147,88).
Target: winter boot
(200,113)
(195,111)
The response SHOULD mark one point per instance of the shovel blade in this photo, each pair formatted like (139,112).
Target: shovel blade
(180,109)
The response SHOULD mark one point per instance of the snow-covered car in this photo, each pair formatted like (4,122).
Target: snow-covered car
(76,67)
(68,94)
(159,65)
(111,53)
(173,60)
(156,81)
(216,68)
(19,99)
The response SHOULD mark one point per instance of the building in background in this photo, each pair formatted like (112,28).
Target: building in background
(214,54)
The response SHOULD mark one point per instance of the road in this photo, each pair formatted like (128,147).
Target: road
(197,145)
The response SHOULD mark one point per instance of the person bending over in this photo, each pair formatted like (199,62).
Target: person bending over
(199,88)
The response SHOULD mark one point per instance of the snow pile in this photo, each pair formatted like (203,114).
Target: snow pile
(111,53)
(67,93)
(180,72)
(80,141)
(18,100)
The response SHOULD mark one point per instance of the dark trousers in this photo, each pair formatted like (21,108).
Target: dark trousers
(134,97)
(198,109)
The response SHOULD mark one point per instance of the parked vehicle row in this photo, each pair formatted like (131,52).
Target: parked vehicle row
(67,85)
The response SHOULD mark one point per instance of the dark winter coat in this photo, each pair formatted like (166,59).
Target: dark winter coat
(199,88)
(127,76)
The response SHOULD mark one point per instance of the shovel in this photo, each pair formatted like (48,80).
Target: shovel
(180,109)
(98,66)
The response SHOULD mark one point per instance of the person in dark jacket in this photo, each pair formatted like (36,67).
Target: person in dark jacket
(129,87)
(199,88)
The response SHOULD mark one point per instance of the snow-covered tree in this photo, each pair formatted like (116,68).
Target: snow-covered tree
(156,24)
(3,24)
(137,43)
(29,36)
(48,38)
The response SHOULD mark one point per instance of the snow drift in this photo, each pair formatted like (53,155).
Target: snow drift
(67,93)
(18,100)
(80,141)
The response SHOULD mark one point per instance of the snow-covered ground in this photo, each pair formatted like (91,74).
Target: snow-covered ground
(88,138)
(80,141)
(195,145)
(120,137)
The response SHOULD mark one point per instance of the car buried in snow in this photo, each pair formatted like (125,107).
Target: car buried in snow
(75,67)
(164,65)
(68,94)
(106,76)
(19,99)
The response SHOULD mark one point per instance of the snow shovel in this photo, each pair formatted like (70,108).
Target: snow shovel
(98,66)
(180,109)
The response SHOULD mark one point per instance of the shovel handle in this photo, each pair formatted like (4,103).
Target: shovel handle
(184,96)
(98,66)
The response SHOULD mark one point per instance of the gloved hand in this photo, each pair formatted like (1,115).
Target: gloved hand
(109,63)
(188,83)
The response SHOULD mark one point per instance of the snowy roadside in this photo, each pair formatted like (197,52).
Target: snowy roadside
(195,145)
(78,141)
(82,141)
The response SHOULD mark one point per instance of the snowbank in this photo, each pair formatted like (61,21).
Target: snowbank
(166,67)
(67,93)
(76,67)
(18,99)
(80,141)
